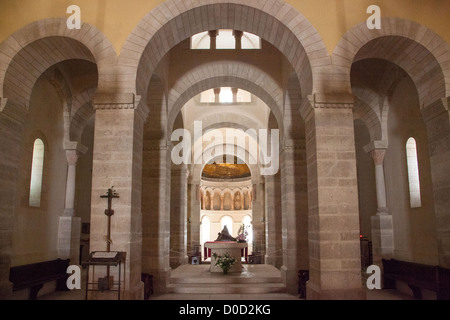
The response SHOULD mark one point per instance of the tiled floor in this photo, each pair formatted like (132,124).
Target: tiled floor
(191,272)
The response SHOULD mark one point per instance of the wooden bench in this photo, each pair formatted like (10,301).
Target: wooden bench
(417,277)
(33,276)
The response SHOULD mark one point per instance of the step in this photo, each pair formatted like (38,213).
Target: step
(256,279)
(225,279)
(229,288)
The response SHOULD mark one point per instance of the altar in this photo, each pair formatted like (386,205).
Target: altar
(236,249)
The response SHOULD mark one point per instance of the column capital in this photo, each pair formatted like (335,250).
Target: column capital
(121,101)
(238,33)
(73,151)
(377,149)
(213,33)
(72,157)
(332,100)
(378,156)
(212,36)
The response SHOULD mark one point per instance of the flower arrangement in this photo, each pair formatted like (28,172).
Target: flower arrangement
(225,262)
(242,234)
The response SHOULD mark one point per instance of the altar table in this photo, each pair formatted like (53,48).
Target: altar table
(235,249)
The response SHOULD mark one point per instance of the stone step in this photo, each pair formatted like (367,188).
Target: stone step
(256,279)
(227,288)
(225,279)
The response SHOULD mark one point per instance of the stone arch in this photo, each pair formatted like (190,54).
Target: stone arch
(419,51)
(30,51)
(367,110)
(223,120)
(252,80)
(82,111)
(274,21)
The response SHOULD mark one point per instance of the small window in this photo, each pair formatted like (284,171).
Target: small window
(37,168)
(247,221)
(413,173)
(225,39)
(200,41)
(205,230)
(227,221)
(226,95)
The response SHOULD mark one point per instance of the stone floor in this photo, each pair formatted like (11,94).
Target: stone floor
(251,273)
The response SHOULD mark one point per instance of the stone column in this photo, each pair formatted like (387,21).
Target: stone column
(272,219)
(213,38)
(294,204)
(235,92)
(334,244)
(193,214)
(156,213)
(437,119)
(382,226)
(222,196)
(117,163)
(12,117)
(258,223)
(203,201)
(217,95)
(69,230)
(178,216)
(238,38)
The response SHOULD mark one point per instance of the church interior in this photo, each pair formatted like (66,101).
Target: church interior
(316,130)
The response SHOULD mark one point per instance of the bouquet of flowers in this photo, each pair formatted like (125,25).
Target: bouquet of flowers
(242,234)
(225,262)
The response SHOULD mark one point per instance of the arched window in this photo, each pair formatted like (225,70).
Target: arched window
(225,40)
(413,173)
(205,230)
(227,221)
(37,168)
(247,222)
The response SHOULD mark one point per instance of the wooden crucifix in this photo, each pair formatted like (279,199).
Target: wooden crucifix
(111,194)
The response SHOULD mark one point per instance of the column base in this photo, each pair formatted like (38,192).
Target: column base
(69,233)
(382,238)
(161,280)
(6,290)
(314,293)
(290,279)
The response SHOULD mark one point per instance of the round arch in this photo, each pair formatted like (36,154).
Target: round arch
(419,51)
(30,51)
(210,83)
(274,21)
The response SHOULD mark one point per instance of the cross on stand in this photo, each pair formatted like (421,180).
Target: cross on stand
(111,194)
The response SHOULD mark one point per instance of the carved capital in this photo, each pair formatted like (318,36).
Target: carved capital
(72,157)
(378,156)
(213,33)
(377,149)
(238,33)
